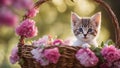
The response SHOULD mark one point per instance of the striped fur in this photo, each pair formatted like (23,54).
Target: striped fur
(86,29)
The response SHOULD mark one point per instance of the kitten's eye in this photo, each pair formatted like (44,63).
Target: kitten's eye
(80,29)
(90,30)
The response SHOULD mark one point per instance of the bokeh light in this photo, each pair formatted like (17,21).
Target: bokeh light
(84,7)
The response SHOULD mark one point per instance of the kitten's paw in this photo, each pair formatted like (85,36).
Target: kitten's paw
(95,44)
(77,43)
(86,45)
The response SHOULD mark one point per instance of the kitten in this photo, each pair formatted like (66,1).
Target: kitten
(86,29)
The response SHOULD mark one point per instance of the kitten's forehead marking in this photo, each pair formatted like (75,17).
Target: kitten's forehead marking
(85,22)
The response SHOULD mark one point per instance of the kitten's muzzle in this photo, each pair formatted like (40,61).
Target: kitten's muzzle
(85,35)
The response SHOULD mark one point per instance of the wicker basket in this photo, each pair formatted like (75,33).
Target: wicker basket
(67,59)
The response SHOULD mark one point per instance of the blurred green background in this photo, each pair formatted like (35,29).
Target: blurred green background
(54,19)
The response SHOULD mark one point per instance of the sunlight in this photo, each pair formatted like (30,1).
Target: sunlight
(84,7)
(2,53)
(104,35)
(61,6)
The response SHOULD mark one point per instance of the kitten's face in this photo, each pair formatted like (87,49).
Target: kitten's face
(86,28)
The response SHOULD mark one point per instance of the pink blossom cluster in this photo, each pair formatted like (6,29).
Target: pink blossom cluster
(61,42)
(42,42)
(117,64)
(27,28)
(7,17)
(14,55)
(49,41)
(32,12)
(25,4)
(111,55)
(52,55)
(39,56)
(47,56)
(22,4)
(5,2)
(86,57)
(104,65)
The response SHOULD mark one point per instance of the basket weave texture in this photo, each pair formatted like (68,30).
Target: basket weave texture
(67,59)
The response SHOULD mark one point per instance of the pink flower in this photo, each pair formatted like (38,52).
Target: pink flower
(43,61)
(44,41)
(86,57)
(39,56)
(22,4)
(5,2)
(7,17)
(58,42)
(104,65)
(32,12)
(27,28)
(117,64)
(110,53)
(67,42)
(14,56)
(61,42)
(52,55)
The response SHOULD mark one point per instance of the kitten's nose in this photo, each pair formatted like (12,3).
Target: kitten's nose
(85,35)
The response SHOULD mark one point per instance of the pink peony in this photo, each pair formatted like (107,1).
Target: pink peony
(27,28)
(58,42)
(5,2)
(52,55)
(104,65)
(117,64)
(7,17)
(61,42)
(39,56)
(32,12)
(110,53)
(44,41)
(43,61)
(22,4)
(86,57)
(67,42)
(14,56)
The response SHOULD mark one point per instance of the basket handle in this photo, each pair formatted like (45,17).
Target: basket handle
(104,5)
(36,5)
(114,20)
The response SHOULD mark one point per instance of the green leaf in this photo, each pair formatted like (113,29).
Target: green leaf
(21,61)
(101,59)
(110,42)
(92,48)
(97,53)
(102,44)
(97,50)
(61,51)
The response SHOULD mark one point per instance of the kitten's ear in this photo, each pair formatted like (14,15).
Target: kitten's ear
(74,18)
(96,18)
